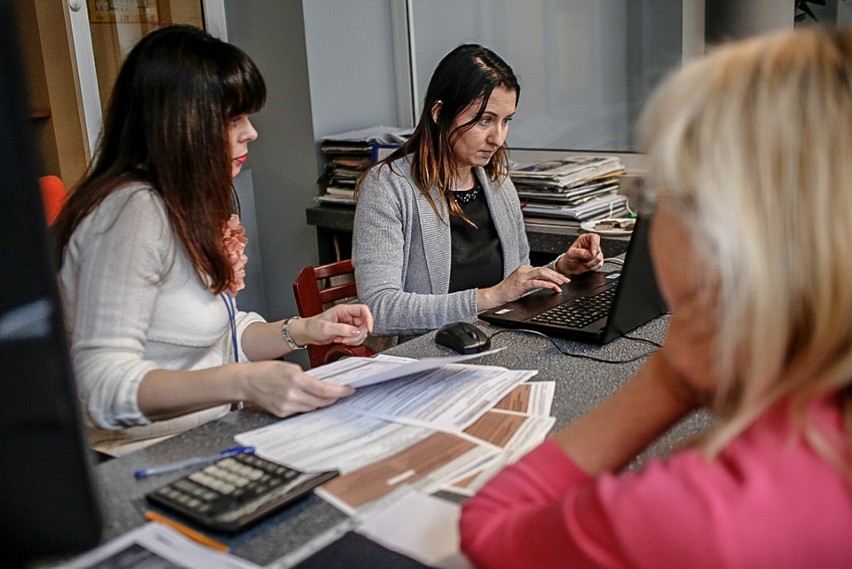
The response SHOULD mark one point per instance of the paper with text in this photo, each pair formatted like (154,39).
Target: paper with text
(533,398)
(447,398)
(426,466)
(362,372)
(333,438)
(156,545)
(515,434)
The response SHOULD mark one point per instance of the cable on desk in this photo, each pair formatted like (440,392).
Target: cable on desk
(645,340)
(585,356)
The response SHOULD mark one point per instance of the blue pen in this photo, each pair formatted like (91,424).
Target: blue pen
(181,464)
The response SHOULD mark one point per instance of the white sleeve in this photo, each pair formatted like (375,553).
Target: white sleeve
(111,270)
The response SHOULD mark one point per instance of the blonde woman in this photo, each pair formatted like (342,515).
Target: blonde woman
(750,151)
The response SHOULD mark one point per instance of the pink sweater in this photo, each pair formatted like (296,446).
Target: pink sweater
(767,500)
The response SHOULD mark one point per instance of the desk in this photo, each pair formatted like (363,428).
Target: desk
(334,236)
(580,384)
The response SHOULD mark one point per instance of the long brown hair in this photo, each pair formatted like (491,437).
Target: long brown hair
(467,74)
(167,124)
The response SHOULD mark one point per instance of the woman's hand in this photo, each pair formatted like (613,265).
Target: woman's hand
(677,379)
(690,348)
(279,387)
(342,323)
(283,388)
(583,255)
(522,280)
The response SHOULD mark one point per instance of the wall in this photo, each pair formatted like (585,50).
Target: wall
(585,68)
(350,65)
(735,19)
(329,68)
(282,160)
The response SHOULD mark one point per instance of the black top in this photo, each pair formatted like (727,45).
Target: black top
(477,255)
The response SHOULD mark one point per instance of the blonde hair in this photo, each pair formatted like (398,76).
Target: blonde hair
(755,143)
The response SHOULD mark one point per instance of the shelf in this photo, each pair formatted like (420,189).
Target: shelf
(334,231)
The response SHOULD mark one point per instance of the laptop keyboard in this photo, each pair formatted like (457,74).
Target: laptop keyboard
(579,312)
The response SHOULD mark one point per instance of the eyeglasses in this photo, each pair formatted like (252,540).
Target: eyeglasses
(642,198)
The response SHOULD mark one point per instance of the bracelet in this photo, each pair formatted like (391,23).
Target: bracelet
(556,263)
(285,333)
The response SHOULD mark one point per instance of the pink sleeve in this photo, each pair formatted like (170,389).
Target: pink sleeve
(544,511)
(766,500)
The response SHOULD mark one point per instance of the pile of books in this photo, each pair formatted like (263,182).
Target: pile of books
(349,154)
(570,190)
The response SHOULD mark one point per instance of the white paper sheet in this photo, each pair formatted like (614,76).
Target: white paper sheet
(362,372)
(422,527)
(329,439)
(156,546)
(533,398)
(448,398)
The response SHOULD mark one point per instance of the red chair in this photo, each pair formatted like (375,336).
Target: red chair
(319,287)
(53,194)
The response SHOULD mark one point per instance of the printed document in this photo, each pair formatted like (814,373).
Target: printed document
(361,372)
(156,546)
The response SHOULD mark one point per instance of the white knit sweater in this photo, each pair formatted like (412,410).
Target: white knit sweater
(134,303)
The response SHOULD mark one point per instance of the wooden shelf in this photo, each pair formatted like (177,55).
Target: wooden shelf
(334,236)
(55,107)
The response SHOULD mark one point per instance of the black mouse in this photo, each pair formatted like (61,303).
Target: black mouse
(463,337)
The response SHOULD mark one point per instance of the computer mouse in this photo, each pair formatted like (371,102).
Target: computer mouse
(462,337)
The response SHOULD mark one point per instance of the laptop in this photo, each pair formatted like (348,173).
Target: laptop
(594,307)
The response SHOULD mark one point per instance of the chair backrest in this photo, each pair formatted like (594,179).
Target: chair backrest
(319,287)
(53,194)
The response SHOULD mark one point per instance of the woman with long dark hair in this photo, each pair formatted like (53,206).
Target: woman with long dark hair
(439,234)
(153,255)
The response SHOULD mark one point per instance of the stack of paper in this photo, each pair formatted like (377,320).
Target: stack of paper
(447,426)
(575,188)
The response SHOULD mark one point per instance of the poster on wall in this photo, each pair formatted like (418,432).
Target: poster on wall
(124,11)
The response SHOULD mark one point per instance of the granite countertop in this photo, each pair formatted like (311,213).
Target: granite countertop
(580,385)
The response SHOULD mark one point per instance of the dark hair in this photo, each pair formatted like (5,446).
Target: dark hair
(167,124)
(467,74)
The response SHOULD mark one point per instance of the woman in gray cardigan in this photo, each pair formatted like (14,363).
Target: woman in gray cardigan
(439,235)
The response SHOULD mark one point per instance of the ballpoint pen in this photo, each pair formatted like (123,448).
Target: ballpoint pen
(181,464)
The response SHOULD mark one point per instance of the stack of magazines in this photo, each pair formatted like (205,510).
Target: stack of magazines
(348,155)
(570,190)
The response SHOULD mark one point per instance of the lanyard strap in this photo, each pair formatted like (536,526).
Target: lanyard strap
(231,307)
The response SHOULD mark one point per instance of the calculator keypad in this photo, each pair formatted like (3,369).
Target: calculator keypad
(235,491)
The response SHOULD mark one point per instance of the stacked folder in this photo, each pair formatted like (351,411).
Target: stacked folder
(348,155)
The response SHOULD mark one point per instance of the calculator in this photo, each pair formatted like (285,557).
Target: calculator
(234,492)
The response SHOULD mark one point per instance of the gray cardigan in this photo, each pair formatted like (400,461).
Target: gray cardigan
(401,250)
